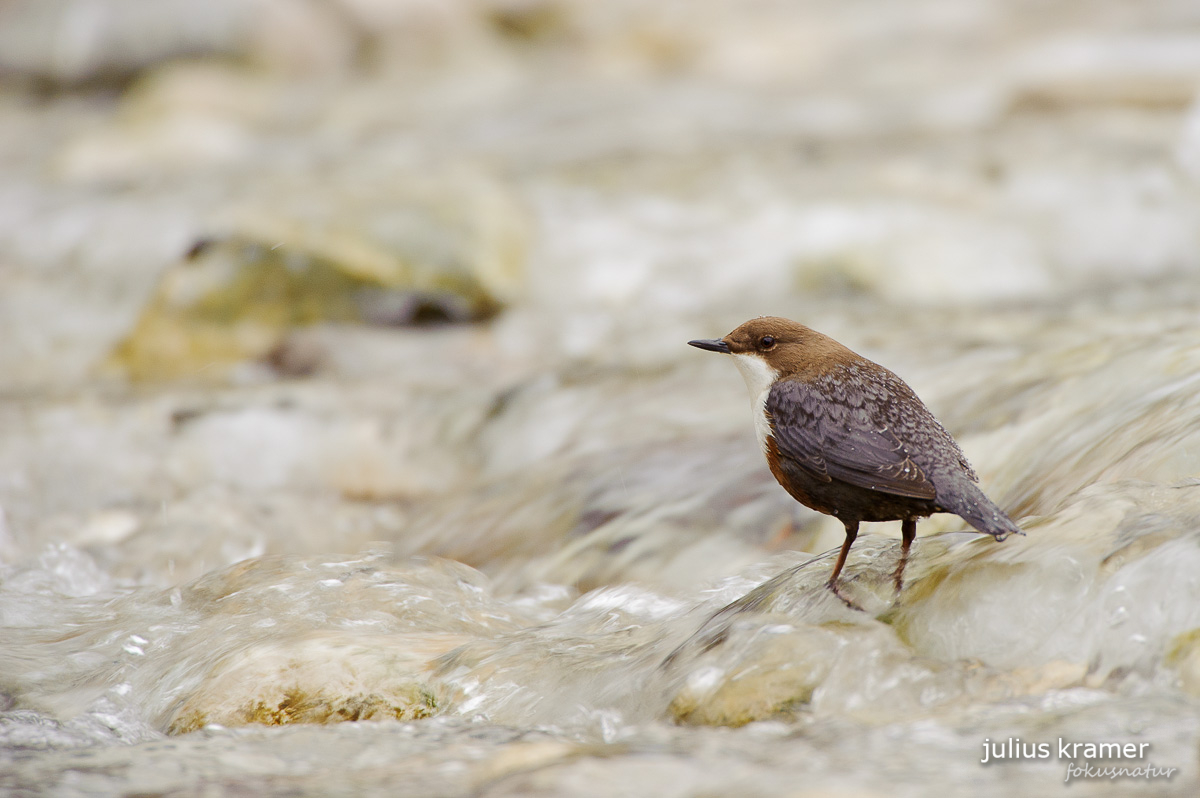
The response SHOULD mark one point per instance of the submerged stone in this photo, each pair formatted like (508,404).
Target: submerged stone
(327,678)
(773,680)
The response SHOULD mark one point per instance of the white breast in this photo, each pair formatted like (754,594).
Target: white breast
(759,378)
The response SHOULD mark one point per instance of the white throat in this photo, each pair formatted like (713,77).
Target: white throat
(759,378)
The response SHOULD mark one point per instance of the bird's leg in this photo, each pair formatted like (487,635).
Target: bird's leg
(851,534)
(908,531)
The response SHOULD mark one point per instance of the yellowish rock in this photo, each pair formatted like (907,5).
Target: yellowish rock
(452,252)
(777,676)
(1184,656)
(327,678)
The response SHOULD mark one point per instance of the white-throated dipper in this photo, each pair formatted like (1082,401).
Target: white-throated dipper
(848,438)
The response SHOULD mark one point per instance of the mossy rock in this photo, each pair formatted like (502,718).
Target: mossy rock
(447,255)
(326,677)
(298,704)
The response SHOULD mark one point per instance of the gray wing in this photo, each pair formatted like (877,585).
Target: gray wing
(853,431)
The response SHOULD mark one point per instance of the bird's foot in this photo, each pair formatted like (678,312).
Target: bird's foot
(898,574)
(834,590)
(1002,536)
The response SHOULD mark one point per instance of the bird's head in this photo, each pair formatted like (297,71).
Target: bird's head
(767,348)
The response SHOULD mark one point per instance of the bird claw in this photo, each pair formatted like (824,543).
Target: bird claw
(833,589)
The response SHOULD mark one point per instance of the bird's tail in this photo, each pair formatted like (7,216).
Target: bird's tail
(979,511)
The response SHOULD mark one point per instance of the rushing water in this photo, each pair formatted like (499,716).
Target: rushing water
(538,552)
(633,619)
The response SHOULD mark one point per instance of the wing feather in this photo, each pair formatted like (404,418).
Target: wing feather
(839,433)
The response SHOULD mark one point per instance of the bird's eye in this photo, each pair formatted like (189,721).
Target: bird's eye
(766,342)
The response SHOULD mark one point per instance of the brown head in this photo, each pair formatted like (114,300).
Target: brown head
(769,347)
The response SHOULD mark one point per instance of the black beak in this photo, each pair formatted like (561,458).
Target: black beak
(711,344)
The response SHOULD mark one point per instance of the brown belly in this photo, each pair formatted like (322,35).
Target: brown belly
(841,499)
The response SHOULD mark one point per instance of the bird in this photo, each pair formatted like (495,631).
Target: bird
(848,438)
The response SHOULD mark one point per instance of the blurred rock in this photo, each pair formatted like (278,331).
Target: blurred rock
(1183,656)
(1187,149)
(442,252)
(322,678)
(73,42)
(527,20)
(176,119)
(1154,70)
(917,254)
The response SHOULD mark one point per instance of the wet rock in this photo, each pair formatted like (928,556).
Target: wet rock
(1187,147)
(774,681)
(526,21)
(177,119)
(443,253)
(321,679)
(790,644)
(359,644)
(1113,69)
(916,253)
(1086,576)
(789,649)
(1183,656)
(80,42)
(523,756)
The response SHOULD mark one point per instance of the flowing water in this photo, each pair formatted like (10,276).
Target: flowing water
(535,550)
